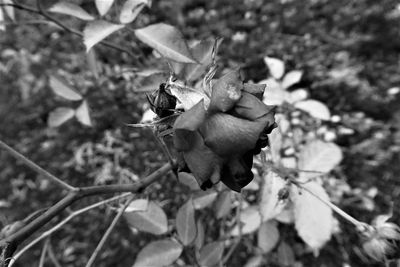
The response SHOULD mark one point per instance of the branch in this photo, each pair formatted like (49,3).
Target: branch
(44,252)
(62,223)
(52,255)
(359,225)
(10,243)
(239,237)
(44,14)
(108,232)
(36,167)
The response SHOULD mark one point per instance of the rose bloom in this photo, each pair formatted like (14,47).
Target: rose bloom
(217,142)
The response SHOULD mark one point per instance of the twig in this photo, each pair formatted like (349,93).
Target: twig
(44,251)
(52,255)
(160,141)
(239,237)
(24,22)
(11,242)
(44,14)
(359,225)
(62,223)
(108,232)
(36,167)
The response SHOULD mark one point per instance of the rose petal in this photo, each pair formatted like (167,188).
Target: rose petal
(226,92)
(237,173)
(251,108)
(185,126)
(204,164)
(255,89)
(227,135)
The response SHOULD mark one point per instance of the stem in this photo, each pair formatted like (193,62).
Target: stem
(11,242)
(52,255)
(36,167)
(239,223)
(335,208)
(62,223)
(44,251)
(108,232)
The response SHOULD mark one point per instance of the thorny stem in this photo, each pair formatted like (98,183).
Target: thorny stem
(359,225)
(62,223)
(108,232)
(35,167)
(11,242)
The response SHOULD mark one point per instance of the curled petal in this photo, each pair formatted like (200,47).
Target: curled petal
(227,135)
(251,108)
(204,164)
(226,92)
(255,89)
(185,126)
(237,173)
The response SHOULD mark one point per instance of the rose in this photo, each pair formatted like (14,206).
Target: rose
(217,143)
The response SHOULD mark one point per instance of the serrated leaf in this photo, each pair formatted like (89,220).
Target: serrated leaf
(188,180)
(167,40)
(315,108)
(159,253)
(250,220)
(276,67)
(130,10)
(211,254)
(61,88)
(199,241)
(320,157)
(59,116)
(71,9)
(291,78)
(96,31)
(270,204)
(223,205)
(9,9)
(268,236)
(103,6)
(203,199)
(82,114)
(185,223)
(313,218)
(286,255)
(153,220)
(274,94)
(137,205)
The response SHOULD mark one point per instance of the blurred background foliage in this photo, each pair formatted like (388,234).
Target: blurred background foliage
(349,52)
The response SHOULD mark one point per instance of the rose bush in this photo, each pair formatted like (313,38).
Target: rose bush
(217,142)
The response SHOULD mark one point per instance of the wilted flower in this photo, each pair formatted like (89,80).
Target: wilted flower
(381,238)
(218,142)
